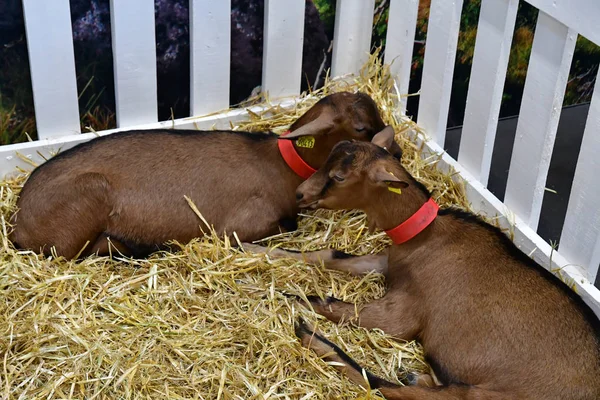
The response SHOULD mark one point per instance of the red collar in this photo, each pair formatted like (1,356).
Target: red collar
(293,159)
(415,224)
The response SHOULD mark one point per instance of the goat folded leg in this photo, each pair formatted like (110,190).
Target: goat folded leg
(330,352)
(395,315)
(344,363)
(331,259)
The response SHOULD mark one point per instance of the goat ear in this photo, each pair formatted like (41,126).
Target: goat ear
(381,175)
(321,124)
(385,138)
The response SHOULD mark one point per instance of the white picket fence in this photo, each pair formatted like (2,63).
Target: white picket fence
(50,44)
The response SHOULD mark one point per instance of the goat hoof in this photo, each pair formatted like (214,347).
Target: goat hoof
(301,329)
(306,333)
(418,379)
(254,248)
(291,296)
(303,332)
(410,379)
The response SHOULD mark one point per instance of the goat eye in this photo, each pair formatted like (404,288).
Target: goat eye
(362,129)
(338,178)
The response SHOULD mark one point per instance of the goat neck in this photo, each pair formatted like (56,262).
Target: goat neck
(389,210)
(292,158)
(415,224)
(289,179)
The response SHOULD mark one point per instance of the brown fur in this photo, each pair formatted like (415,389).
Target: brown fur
(493,323)
(129,187)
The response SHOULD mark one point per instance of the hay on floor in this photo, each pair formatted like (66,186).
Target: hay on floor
(209,321)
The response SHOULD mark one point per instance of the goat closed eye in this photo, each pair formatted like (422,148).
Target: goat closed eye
(338,178)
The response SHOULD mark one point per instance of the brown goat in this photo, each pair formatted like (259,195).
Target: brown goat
(127,189)
(492,322)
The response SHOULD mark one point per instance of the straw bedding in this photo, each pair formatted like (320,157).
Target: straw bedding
(208,321)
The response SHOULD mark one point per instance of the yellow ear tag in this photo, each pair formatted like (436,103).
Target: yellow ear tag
(306,142)
(394,190)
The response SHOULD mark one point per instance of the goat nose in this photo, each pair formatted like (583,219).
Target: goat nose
(299,196)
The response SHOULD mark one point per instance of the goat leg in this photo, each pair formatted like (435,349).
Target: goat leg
(333,309)
(344,363)
(461,392)
(331,259)
(325,349)
(394,314)
(420,379)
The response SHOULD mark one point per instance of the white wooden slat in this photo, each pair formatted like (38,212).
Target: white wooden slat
(438,67)
(486,84)
(581,15)
(580,239)
(549,65)
(52,64)
(483,202)
(352,36)
(282,50)
(210,49)
(399,43)
(134,58)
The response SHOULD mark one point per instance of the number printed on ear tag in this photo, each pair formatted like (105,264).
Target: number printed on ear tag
(306,141)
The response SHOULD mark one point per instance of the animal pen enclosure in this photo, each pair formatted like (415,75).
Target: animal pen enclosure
(559,23)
